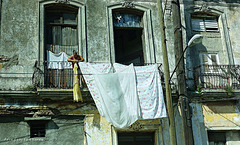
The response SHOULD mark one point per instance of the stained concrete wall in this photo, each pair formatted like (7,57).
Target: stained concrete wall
(66,130)
(99,131)
(20,41)
(233,26)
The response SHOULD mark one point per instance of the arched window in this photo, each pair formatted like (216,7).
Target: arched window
(61,28)
(130,34)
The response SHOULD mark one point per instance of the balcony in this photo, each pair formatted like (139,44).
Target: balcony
(217,77)
(63,78)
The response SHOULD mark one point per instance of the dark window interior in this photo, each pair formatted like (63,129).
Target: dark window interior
(61,28)
(136,138)
(37,129)
(217,137)
(128,31)
(61,35)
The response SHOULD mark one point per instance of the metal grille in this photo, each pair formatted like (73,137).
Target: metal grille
(217,76)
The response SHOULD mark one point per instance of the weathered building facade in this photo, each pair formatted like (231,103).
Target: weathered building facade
(36,101)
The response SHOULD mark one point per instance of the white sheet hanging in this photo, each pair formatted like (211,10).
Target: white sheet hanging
(149,91)
(129,94)
(114,93)
(58,61)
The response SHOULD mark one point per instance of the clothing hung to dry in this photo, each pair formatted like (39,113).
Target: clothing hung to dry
(77,96)
(58,61)
(124,94)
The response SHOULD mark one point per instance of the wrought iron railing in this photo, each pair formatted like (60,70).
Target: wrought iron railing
(63,78)
(217,76)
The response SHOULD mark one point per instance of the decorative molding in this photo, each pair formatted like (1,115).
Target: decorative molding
(204,8)
(62,1)
(128,4)
(136,126)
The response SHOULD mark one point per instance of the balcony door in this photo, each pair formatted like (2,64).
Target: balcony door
(61,38)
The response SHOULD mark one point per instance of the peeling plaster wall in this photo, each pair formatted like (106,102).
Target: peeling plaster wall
(59,130)
(221,116)
(19,38)
(100,132)
(215,117)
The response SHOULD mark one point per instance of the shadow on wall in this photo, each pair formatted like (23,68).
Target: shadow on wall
(96,120)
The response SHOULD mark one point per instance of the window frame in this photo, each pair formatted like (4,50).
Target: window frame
(148,42)
(81,26)
(138,54)
(209,61)
(135,134)
(205,18)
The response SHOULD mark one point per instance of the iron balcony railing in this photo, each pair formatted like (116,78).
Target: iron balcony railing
(217,76)
(63,78)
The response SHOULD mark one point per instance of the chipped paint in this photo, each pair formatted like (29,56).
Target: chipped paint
(222,115)
(98,130)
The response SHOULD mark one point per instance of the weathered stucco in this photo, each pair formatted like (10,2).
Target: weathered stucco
(21,44)
(215,117)
(219,116)
(60,130)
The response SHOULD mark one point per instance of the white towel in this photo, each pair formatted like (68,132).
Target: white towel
(58,61)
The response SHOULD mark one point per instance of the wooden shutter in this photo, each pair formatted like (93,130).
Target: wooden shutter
(198,25)
(211,25)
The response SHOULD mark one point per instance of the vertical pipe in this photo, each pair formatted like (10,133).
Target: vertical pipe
(166,76)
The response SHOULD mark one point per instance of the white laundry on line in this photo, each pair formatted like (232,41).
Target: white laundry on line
(58,61)
(149,90)
(129,94)
(113,93)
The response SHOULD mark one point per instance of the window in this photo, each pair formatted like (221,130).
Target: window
(61,35)
(136,138)
(37,128)
(209,62)
(205,23)
(128,31)
(217,137)
(61,28)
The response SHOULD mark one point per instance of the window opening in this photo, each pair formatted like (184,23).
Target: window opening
(217,137)
(128,33)
(205,23)
(37,129)
(209,61)
(61,28)
(136,138)
(61,35)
